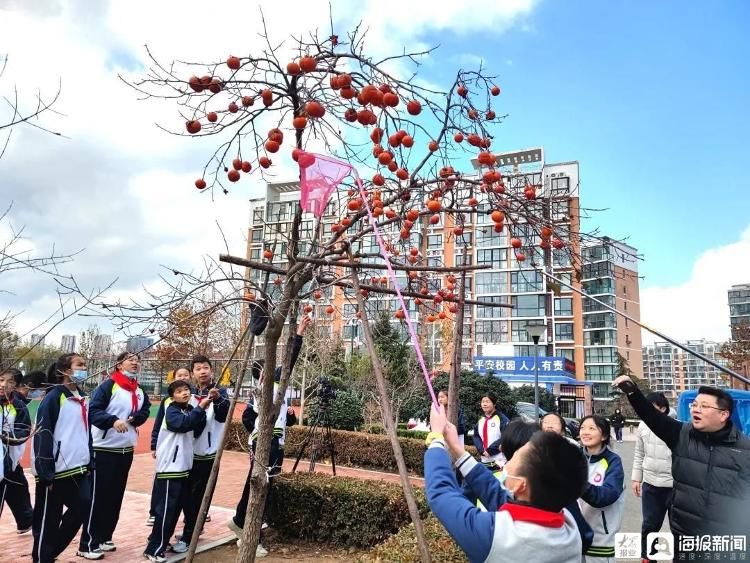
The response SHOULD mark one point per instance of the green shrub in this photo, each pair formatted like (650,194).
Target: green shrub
(358,449)
(344,412)
(362,450)
(402,547)
(402,432)
(338,510)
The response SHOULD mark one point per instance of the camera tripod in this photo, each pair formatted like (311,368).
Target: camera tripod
(319,437)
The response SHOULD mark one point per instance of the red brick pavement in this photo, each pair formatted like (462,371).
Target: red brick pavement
(131,533)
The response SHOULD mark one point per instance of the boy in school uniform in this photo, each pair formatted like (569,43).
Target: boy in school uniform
(180,374)
(174,459)
(205,445)
(15,427)
(541,479)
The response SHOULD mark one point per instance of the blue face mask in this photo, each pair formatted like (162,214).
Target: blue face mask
(79,375)
(36,393)
(129,374)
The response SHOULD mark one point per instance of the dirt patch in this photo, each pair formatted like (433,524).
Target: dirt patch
(284,551)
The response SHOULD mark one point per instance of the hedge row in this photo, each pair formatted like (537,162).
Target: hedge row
(357,449)
(402,547)
(339,510)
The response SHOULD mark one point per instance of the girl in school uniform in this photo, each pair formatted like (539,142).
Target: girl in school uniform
(602,502)
(487,433)
(61,461)
(118,407)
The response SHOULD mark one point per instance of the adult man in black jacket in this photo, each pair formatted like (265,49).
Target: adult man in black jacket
(710,463)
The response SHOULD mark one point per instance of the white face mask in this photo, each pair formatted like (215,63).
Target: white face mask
(129,374)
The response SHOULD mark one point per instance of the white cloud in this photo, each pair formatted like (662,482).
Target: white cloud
(698,307)
(118,186)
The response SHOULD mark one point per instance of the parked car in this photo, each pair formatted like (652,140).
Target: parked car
(526,411)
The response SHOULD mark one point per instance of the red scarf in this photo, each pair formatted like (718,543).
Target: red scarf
(84,415)
(128,384)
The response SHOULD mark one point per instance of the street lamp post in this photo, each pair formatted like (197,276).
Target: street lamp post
(536,329)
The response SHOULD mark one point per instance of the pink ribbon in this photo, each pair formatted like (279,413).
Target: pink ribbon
(319,177)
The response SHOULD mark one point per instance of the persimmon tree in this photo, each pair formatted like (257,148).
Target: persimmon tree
(277,108)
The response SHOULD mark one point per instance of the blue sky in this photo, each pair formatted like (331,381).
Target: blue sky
(651,98)
(648,96)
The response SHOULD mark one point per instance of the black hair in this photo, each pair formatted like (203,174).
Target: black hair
(723,399)
(55,369)
(175,385)
(122,356)
(16,373)
(444,391)
(491,396)
(200,359)
(515,435)
(556,471)
(659,400)
(34,379)
(602,424)
(563,426)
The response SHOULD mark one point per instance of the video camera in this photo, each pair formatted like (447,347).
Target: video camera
(325,391)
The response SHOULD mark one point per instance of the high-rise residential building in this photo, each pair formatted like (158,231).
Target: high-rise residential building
(739,306)
(102,345)
(582,341)
(671,370)
(610,341)
(138,344)
(37,339)
(68,343)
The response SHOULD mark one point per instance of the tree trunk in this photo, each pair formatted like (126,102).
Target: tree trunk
(266,418)
(205,503)
(458,340)
(390,427)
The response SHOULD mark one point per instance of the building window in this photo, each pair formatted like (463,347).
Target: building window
(462,259)
(518,332)
(567,353)
(560,186)
(434,242)
(527,305)
(598,270)
(486,236)
(497,258)
(525,281)
(563,331)
(487,282)
(257,235)
(560,210)
(257,215)
(493,312)
(564,307)
(600,338)
(528,351)
(604,355)
(561,258)
(491,331)
(599,286)
(589,305)
(599,320)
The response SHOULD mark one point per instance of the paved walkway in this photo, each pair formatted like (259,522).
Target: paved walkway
(132,532)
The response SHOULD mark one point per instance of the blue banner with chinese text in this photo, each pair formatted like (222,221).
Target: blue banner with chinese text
(519,365)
